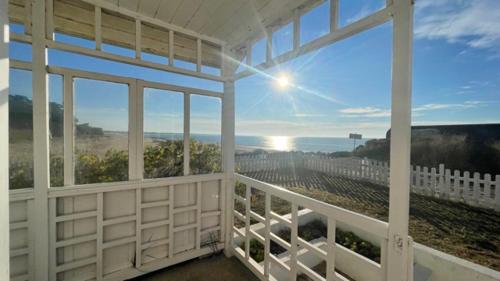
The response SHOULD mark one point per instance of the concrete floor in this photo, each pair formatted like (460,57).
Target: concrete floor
(214,268)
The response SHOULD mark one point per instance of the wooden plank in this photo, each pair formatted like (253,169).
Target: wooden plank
(171,217)
(50,19)
(118,29)
(198,215)
(138,228)
(198,55)
(52,238)
(128,60)
(171,55)
(334,15)
(98,28)
(138,38)
(296,30)
(99,236)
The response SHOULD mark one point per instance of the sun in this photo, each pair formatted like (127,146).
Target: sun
(283,81)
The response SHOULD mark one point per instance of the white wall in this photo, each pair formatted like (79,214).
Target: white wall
(446,267)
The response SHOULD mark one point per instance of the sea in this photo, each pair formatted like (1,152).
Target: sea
(276,143)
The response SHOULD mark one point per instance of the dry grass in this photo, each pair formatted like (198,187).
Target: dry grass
(455,228)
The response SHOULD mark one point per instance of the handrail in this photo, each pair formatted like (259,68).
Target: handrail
(357,220)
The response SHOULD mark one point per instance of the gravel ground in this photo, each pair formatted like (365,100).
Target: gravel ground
(455,228)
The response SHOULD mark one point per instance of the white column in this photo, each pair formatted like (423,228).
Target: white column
(228,145)
(40,141)
(400,141)
(4,142)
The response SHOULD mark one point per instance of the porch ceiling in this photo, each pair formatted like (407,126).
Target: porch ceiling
(231,21)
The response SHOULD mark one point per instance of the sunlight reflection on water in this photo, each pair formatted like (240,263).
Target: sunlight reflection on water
(280,143)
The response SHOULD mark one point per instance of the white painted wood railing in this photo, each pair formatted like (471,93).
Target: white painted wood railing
(474,189)
(366,269)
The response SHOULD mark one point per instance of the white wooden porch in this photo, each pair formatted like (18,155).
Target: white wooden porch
(102,231)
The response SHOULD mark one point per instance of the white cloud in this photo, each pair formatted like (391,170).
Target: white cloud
(365,11)
(475,23)
(365,112)
(438,106)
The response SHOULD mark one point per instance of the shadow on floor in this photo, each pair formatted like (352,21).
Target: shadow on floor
(214,268)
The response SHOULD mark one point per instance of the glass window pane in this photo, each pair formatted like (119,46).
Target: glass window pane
(354,10)
(315,23)
(101,131)
(283,40)
(56,127)
(20,130)
(259,52)
(163,133)
(205,125)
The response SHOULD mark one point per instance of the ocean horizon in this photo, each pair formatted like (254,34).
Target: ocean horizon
(278,143)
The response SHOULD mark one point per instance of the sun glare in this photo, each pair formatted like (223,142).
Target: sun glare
(283,81)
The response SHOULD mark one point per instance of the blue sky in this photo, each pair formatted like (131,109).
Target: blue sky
(339,89)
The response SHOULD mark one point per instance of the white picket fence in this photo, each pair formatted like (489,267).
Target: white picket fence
(470,188)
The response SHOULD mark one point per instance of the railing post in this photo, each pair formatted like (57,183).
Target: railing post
(4,142)
(441,182)
(228,144)
(399,199)
(330,263)
(293,241)
(497,193)
(267,236)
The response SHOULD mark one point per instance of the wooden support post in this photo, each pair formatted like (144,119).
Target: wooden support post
(334,15)
(138,39)
(171,47)
(198,55)
(4,142)
(187,132)
(228,144)
(98,28)
(40,140)
(249,53)
(50,20)
(399,199)
(28,17)
(269,45)
(296,30)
